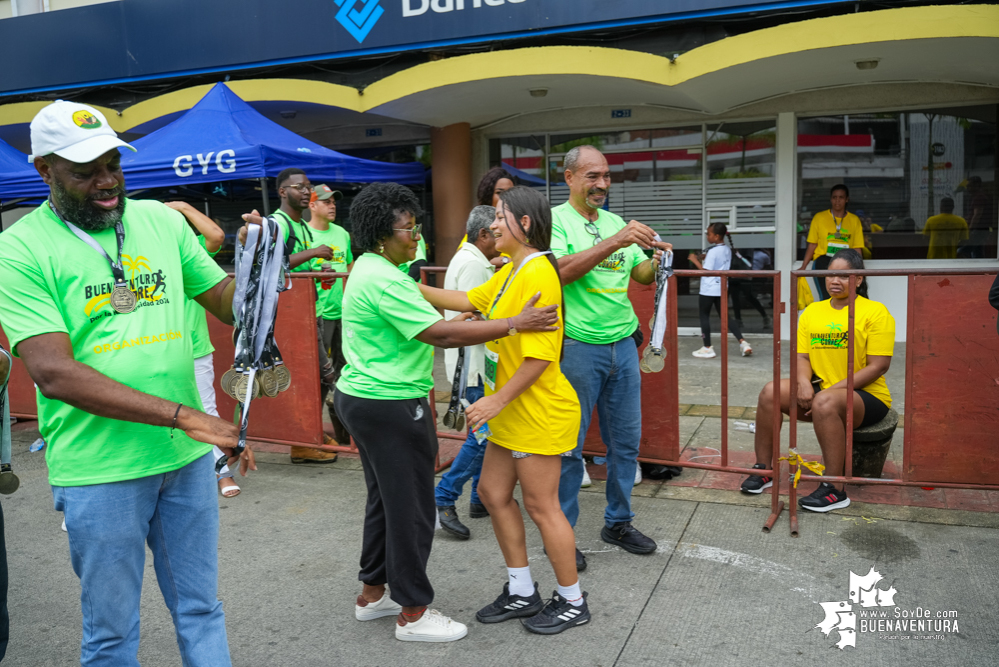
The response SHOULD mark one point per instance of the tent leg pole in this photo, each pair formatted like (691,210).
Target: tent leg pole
(263,190)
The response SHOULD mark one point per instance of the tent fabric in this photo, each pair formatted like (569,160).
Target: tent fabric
(222,138)
(18,177)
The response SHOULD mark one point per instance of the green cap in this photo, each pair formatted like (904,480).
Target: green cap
(322,192)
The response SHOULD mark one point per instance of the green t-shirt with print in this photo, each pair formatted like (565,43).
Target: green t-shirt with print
(302,241)
(421,253)
(197,318)
(597,308)
(52,282)
(329,302)
(383,312)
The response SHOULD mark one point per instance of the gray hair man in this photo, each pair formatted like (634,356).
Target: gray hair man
(469,268)
(598,255)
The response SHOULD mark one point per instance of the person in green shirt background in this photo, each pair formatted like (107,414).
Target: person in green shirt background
(210,237)
(389,334)
(599,254)
(329,296)
(92,294)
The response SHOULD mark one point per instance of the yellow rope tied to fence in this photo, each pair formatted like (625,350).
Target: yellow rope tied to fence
(793,458)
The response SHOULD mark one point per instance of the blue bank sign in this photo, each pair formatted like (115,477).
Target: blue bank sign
(134,40)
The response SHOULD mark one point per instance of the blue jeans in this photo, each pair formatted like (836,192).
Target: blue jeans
(109,524)
(607,377)
(466,465)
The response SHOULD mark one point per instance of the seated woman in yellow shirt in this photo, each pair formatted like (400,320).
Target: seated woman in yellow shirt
(822,357)
(532,415)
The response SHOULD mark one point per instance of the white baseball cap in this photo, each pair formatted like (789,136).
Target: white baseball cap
(76,132)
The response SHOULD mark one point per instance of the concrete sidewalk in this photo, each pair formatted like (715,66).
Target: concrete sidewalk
(718,592)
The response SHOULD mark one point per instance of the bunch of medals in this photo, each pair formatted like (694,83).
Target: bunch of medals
(455,416)
(8,480)
(654,356)
(261,274)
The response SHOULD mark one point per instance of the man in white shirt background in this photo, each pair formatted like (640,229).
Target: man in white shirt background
(468,269)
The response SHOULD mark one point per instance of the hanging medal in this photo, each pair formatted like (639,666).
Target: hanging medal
(654,356)
(123,299)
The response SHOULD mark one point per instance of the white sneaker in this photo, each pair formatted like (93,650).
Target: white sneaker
(705,353)
(746,349)
(638,474)
(384,607)
(433,626)
(587,482)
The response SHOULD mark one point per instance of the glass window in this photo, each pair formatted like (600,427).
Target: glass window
(922,183)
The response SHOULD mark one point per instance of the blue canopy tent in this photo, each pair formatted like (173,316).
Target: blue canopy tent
(222,138)
(18,178)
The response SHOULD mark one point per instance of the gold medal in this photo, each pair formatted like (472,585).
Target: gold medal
(268,382)
(228,382)
(239,388)
(123,299)
(257,390)
(283,376)
(8,481)
(653,360)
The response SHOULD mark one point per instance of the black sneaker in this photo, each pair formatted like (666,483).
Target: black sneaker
(825,499)
(628,538)
(508,606)
(449,522)
(477,511)
(757,483)
(557,615)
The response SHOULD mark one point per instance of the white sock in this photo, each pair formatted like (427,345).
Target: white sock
(572,594)
(520,581)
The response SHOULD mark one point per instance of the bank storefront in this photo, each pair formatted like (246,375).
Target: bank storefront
(718,111)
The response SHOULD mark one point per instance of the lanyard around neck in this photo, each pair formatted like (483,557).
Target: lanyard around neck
(839,223)
(119,230)
(513,274)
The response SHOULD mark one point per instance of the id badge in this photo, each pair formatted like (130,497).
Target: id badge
(836,243)
(492,361)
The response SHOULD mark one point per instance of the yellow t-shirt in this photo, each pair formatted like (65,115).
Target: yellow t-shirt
(945,231)
(545,418)
(823,225)
(822,332)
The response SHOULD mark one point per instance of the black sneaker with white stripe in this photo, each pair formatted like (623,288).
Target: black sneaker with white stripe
(558,615)
(825,499)
(757,483)
(508,606)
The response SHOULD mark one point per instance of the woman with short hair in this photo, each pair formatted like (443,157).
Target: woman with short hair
(389,332)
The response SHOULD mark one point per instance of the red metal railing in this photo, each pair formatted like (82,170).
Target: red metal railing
(915,321)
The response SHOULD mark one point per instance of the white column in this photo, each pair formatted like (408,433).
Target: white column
(785,237)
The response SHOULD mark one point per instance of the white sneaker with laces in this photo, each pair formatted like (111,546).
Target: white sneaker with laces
(433,626)
(587,482)
(638,474)
(705,353)
(746,349)
(384,607)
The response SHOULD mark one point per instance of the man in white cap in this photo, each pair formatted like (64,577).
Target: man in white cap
(92,292)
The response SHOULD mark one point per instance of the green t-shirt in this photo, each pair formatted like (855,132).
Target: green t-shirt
(197,318)
(383,312)
(421,253)
(52,282)
(329,302)
(303,236)
(597,308)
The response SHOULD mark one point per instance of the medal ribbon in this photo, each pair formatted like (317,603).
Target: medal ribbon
(662,277)
(5,448)
(513,274)
(119,231)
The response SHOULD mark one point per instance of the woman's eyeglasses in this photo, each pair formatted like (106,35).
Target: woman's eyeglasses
(415,230)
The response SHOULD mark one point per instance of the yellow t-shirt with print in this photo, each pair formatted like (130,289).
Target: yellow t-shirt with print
(822,332)
(824,225)
(544,419)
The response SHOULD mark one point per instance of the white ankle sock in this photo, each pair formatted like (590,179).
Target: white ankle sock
(520,581)
(572,594)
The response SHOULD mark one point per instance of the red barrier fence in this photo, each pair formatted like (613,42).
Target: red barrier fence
(950,377)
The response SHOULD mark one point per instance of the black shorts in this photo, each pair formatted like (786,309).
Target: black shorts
(874,409)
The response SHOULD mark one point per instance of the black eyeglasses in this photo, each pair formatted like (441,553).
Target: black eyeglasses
(592,229)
